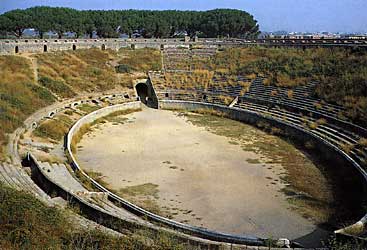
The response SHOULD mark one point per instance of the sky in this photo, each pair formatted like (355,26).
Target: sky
(272,15)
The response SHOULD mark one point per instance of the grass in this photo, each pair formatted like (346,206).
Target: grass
(341,73)
(82,70)
(334,244)
(141,60)
(54,129)
(145,196)
(26,223)
(253,161)
(19,95)
(147,189)
(88,108)
(78,136)
(57,87)
(64,73)
(362,142)
(347,148)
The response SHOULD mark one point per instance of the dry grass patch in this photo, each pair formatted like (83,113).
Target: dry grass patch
(19,95)
(140,59)
(55,128)
(145,196)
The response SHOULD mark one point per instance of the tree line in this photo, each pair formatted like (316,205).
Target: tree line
(113,23)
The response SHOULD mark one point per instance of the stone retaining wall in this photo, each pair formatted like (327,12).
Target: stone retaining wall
(14,46)
(49,45)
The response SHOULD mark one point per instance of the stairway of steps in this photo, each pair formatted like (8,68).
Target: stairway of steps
(301,97)
(60,175)
(328,132)
(18,179)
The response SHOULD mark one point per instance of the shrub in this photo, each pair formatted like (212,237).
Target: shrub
(57,87)
(290,94)
(276,131)
(313,125)
(347,148)
(309,145)
(274,93)
(321,121)
(123,68)
(54,129)
(362,142)
(317,105)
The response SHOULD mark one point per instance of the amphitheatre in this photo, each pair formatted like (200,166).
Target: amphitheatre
(202,143)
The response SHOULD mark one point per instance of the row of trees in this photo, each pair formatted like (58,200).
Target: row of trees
(112,23)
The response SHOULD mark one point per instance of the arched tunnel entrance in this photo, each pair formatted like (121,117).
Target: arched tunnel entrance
(146,94)
(142,91)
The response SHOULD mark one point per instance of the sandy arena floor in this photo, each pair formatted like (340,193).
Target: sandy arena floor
(202,179)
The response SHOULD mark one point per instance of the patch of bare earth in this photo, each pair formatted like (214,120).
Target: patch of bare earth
(202,170)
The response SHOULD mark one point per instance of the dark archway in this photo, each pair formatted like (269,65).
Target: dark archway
(103,47)
(74,47)
(16,49)
(44,48)
(142,91)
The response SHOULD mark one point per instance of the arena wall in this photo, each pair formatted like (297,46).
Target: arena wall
(328,151)
(15,46)
(194,231)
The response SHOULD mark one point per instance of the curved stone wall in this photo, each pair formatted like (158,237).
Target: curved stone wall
(328,150)
(195,231)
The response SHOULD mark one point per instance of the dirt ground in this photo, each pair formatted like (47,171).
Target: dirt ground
(195,176)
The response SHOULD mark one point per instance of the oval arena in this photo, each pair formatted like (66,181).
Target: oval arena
(214,165)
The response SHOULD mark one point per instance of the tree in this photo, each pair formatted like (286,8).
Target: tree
(219,22)
(19,21)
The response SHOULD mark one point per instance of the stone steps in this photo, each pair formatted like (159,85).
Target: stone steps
(60,175)
(16,177)
(330,134)
(298,120)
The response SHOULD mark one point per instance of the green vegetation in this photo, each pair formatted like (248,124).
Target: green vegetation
(57,87)
(195,79)
(90,70)
(334,244)
(64,73)
(144,189)
(82,70)
(123,68)
(26,223)
(141,60)
(115,117)
(213,23)
(145,196)
(19,95)
(87,108)
(54,129)
(341,73)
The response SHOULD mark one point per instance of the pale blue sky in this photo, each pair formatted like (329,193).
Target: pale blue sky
(290,15)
